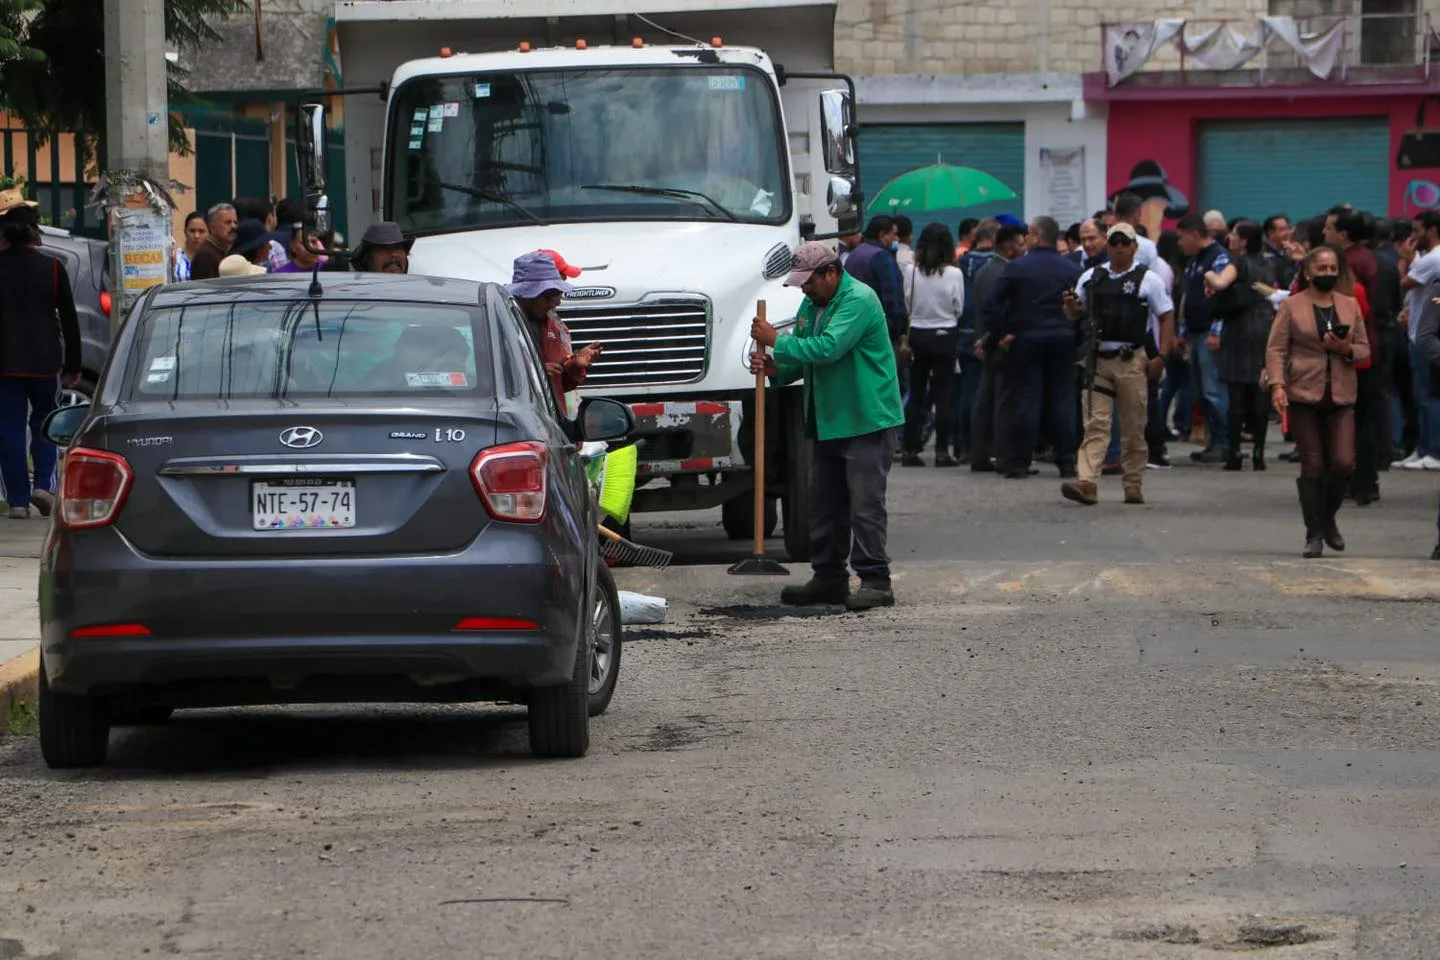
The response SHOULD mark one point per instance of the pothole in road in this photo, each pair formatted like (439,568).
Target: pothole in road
(1249,937)
(745,611)
(680,734)
(635,634)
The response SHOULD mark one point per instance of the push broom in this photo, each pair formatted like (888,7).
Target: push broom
(759,565)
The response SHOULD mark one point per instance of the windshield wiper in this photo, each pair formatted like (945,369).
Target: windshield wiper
(665,192)
(493,197)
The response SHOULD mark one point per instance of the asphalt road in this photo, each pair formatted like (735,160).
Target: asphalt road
(1131,732)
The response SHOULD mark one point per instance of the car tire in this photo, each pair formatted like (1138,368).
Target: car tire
(74,728)
(737,516)
(797,482)
(604,633)
(139,716)
(559,717)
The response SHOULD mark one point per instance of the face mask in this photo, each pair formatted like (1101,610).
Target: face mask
(1325,282)
(894,246)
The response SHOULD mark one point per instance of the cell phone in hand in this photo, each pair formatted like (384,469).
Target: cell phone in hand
(1340,330)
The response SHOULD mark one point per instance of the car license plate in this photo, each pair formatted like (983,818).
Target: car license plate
(303,504)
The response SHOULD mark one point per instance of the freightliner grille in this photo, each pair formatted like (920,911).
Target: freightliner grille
(646,344)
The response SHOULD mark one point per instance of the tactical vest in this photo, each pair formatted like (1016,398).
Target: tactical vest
(1121,313)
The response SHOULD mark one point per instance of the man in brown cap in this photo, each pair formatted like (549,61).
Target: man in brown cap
(841,348)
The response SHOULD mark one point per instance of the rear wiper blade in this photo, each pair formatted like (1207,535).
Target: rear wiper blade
(493,197)
(665,192)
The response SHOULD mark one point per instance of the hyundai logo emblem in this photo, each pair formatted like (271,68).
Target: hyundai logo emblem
(301,437)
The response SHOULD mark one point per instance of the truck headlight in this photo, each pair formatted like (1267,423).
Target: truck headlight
(781,326)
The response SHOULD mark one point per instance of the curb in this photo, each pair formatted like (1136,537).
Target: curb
(18,685)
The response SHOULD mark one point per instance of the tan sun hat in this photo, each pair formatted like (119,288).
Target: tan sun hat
(12,198)
(237,266)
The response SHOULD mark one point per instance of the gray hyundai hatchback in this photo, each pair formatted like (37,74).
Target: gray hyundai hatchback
(356,490)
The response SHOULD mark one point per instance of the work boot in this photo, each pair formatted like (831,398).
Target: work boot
(945,460)
(1312,506)
(910,459)
(1233,462)
(43,501)
(1081,491)
(868,598)
(19,513)
(1134,495)
(1257,461)
(816,593)
(1334,497)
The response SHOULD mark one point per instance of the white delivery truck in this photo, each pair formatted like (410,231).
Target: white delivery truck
(677,154)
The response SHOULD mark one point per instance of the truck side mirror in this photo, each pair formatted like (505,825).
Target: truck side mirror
(310,164)
(840,198)
(837,130)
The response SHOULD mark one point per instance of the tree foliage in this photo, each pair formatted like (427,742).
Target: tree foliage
(63,89)
(14,27)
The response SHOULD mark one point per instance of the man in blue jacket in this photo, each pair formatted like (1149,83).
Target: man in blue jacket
(1036,370)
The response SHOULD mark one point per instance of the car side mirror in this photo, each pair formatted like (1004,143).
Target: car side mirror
(602,420)
(61,426)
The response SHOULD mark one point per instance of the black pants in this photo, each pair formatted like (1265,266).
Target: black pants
(1402,381)
(982,416)
(1250,407)
(848,519)
(1370,442)
(932,379)
(1156,436)
(1036,381)
(967,387)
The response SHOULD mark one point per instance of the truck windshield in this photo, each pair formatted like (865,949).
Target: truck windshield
(667,143)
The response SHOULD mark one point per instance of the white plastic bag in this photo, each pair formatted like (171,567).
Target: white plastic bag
(638,608)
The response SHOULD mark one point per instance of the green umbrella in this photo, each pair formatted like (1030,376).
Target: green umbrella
(940,187)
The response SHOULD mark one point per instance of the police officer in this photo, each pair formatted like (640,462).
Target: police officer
(1134,322)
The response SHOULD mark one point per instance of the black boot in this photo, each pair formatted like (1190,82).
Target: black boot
(1312,507)
(1261,424)
(1235,430)
(1334,496)
(1258,461)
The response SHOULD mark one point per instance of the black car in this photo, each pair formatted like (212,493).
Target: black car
(87,262)
(366,494)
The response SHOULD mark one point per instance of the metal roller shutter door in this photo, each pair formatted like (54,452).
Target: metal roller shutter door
(1253,168)
(888,150)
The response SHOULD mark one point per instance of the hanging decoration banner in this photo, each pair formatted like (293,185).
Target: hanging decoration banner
(1063,172)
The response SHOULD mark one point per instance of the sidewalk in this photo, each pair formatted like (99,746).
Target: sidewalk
(20,543)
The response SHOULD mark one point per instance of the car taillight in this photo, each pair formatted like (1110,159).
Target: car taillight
(511,481)
(93,488)
(105,301)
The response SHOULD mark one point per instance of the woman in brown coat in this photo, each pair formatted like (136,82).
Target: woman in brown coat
(1317,338)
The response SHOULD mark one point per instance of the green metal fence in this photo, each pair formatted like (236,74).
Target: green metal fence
(62,190)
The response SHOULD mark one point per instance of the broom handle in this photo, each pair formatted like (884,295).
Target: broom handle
(609,534)
(760,445)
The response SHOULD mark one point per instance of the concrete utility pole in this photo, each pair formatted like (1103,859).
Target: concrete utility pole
(137,129)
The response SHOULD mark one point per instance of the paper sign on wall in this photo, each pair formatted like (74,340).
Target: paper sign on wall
(1063,172)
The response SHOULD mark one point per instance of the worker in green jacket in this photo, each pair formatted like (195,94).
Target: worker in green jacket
(841,347)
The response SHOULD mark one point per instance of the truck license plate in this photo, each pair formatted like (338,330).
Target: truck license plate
(303,504)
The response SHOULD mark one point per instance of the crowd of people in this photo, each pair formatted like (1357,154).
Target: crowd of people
(1094,347)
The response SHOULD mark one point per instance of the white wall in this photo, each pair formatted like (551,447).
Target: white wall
(1051,107)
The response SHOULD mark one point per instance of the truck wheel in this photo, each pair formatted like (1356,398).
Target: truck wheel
(797,483)
(74,730)
(737,516)
(604,634)
(559,717)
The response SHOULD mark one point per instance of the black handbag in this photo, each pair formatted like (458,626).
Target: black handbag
(1420,147)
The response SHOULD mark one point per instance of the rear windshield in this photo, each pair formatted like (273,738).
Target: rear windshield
(304,349)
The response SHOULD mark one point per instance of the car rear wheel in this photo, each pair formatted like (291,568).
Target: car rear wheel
(605,639)
(74,729)
(560,716)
